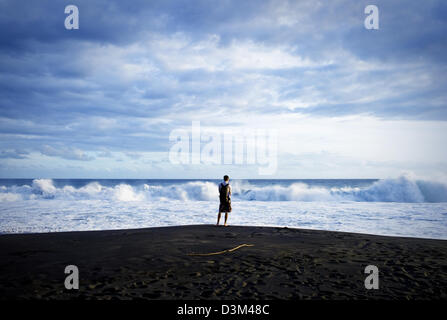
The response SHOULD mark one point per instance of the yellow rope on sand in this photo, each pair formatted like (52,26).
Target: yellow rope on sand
(220,252)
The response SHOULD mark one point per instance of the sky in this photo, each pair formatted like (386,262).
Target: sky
(108,100)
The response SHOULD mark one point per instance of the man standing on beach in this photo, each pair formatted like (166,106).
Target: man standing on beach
(225,199)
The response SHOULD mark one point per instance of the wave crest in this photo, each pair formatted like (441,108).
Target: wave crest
(402,189)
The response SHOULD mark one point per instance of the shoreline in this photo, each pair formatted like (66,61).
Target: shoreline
(229,226)
(279,263)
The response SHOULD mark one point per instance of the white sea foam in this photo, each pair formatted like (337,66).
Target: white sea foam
(402,206)
(401,189)
(389,190)
(424,220)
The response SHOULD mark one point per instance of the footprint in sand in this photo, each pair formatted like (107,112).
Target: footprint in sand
(230,235)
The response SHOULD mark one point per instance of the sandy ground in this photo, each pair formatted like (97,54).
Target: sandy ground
(282,263)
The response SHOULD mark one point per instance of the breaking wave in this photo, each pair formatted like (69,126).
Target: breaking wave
(402,189)
(388,190)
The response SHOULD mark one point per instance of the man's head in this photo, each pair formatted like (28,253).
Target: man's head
(226,178)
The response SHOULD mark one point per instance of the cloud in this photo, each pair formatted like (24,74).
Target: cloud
(104,153)
(13,154)
(135,71)
(66,153)
(180,53)
(134,155)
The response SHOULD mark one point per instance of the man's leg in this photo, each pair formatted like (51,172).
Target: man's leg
(218,218)
(226,217)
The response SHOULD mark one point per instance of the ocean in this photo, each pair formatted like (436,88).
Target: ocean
(397,207)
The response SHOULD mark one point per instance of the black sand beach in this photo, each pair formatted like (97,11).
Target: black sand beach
(282,263)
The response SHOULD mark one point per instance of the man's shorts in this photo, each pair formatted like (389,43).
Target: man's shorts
(225,207)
